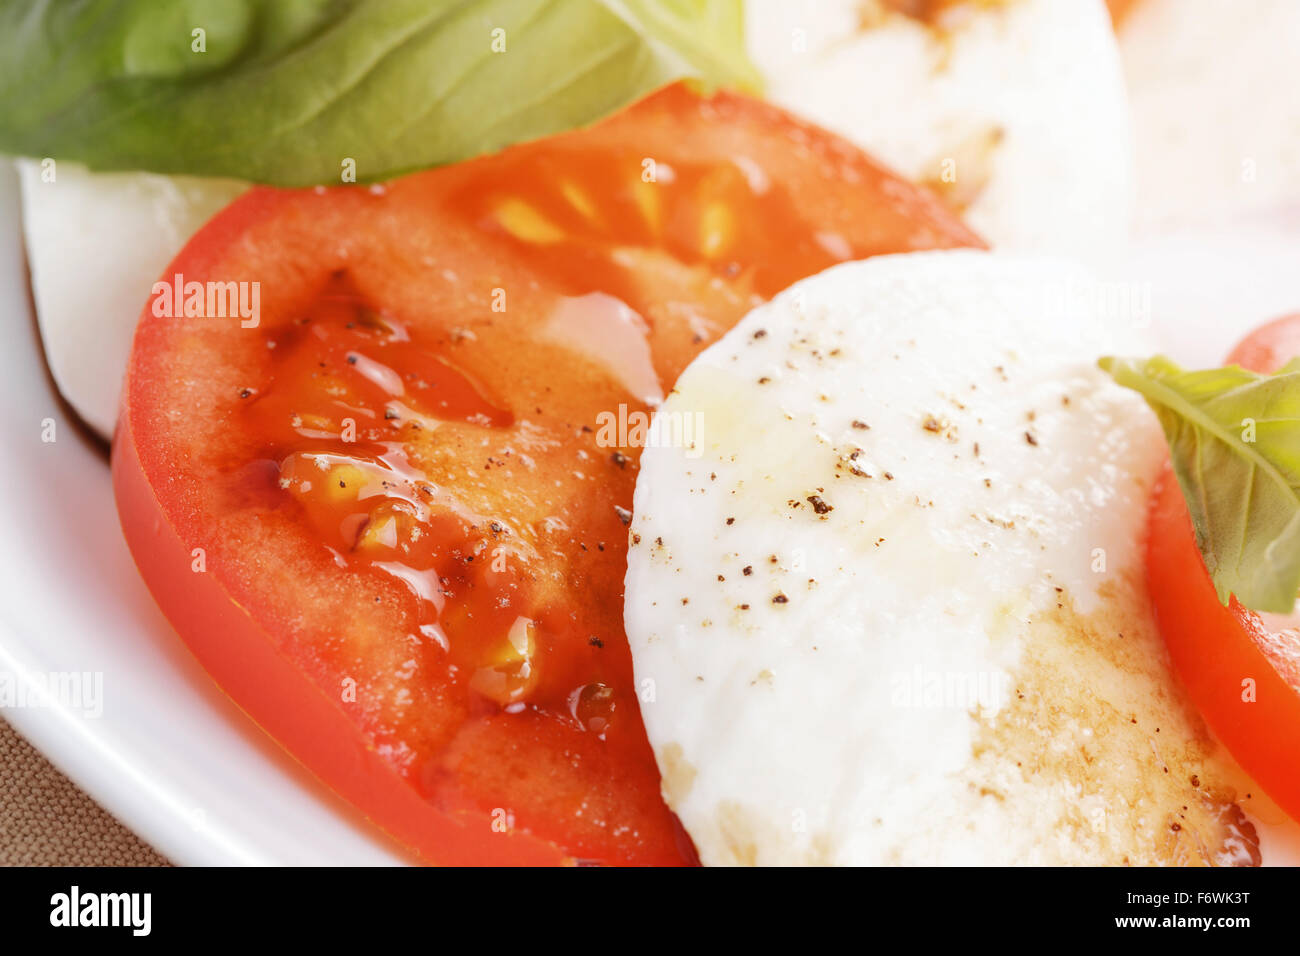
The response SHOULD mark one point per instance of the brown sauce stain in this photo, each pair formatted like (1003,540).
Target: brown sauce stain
(935,14)
(677,774)
(739,832)
(1098,733)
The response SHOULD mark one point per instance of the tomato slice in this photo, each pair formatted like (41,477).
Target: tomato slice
(1241,669)
(390,520)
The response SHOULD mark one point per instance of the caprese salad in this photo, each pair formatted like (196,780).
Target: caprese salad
(654,434)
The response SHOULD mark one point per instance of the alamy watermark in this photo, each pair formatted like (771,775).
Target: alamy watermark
(81,691)
(637,429)
(208,300)
(942,689)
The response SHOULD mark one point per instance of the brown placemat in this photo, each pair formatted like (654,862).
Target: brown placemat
(45,820)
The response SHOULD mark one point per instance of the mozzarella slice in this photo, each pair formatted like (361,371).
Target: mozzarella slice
(1216,107)
(96,243)
(884,591)
(1015,110)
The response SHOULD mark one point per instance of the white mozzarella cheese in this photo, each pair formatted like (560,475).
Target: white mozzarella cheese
(1015,110)
(96,243)
(886,603)
(1216,107)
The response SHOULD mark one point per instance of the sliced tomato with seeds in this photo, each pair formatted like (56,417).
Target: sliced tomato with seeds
(1240,668)
(415,535)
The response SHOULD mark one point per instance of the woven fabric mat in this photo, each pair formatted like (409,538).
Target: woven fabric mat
(46,821)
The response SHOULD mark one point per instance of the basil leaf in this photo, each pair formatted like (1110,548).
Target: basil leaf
(286,91)
(1234,440)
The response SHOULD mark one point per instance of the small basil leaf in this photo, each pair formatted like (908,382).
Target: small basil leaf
(1234,441)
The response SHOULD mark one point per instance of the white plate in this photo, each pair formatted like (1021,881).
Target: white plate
(170,755)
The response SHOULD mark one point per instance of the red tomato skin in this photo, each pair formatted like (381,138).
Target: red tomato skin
(279,697)
(1270,346)
(1215,648)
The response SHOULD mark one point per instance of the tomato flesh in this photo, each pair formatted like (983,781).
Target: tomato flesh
(1240,668)
(399,479)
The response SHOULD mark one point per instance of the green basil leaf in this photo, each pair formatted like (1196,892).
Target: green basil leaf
(287,92)
(1234,440)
